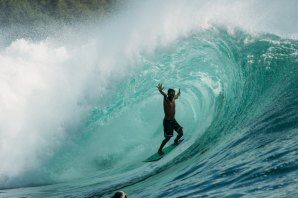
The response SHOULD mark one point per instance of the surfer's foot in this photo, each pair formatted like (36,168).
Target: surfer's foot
(176,142)
(160,152)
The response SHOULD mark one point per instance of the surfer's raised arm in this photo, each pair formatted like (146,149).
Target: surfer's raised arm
(177,95)
(160,89)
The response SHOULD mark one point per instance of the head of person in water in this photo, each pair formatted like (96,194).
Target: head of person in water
(171,94)
(119,194)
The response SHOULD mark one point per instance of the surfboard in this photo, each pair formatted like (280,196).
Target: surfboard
(166,150)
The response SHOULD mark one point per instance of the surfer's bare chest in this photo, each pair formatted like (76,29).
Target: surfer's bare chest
(169,108)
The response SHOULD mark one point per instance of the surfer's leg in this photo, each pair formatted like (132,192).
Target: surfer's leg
(168,133)
(180,134)
(179,130)
(163,143)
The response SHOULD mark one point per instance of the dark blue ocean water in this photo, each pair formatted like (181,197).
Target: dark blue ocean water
(79,117)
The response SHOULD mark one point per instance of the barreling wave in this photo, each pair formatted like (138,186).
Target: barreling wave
(102,115)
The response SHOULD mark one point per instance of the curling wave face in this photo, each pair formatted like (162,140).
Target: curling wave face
(103,116)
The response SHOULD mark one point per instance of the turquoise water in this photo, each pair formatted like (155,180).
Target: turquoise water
(79,117)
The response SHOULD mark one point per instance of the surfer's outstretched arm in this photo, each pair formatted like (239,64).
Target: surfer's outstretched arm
(160,89)
(177,95)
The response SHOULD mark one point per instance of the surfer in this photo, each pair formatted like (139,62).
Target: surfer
(119,194)
(169,122)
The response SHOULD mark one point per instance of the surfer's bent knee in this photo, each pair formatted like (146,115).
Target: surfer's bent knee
(168,137)
(180,131)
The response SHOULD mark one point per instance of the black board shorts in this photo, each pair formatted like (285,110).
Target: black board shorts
(169,126)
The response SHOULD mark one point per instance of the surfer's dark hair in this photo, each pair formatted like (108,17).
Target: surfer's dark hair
(118,194)
(169,90)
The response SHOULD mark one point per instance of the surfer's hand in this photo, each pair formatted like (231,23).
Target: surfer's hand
(159,87)
(178,94)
